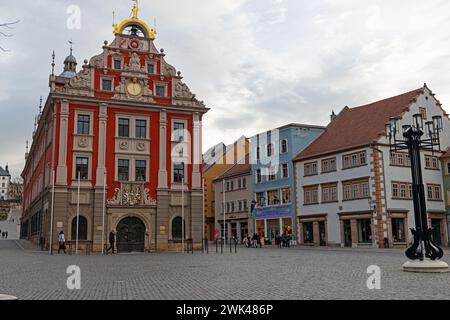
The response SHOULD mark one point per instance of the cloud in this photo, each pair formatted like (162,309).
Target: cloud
(258,64)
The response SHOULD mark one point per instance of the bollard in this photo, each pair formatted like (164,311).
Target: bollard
(235,246)
(207,245)
(221,246)
(217,247)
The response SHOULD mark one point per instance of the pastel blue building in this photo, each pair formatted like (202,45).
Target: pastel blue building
(271,155)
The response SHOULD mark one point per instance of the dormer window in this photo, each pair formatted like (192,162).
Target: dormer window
(117,63)
(151,68)
(160,90)
(107,85)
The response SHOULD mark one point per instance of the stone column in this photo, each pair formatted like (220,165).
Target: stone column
(354,226)
(316,233)
(197,217)
(102,123)
(61,171)
(229,231)
(162,211)
(197,153)
(265,228)
(162,174)
(99,198)
(281,226)
(238,231)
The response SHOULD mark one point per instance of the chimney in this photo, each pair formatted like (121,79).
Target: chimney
(333,116)
(6,168)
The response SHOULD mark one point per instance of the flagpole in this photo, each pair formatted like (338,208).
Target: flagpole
(104,209)
(203,208)
(52,211)
(224,212)
(182,212)
(78,211)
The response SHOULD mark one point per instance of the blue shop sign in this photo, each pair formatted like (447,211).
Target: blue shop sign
(284,211)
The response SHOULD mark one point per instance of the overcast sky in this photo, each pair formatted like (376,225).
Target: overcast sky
(257,64)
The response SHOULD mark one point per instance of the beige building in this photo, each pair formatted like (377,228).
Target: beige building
(236,201)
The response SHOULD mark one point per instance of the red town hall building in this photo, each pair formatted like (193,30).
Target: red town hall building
(117,144)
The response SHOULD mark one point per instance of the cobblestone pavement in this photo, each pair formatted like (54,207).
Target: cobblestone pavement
(255,274)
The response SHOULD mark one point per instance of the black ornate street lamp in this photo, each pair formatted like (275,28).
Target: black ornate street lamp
(414,140)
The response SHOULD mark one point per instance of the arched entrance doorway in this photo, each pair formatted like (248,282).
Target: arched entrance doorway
(130,235)
(82,228)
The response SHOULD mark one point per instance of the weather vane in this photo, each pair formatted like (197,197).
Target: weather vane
(71,46)
(135,9)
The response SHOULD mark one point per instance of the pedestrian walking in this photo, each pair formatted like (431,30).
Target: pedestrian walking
(112,242)
(62,242)
(279,241)
(6,235)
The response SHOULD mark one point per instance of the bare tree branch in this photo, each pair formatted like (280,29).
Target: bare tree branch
(6,35)
(7,25)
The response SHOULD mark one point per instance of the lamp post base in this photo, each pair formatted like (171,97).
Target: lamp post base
(426,266)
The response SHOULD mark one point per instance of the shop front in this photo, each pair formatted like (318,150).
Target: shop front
(271,222)
(236,226)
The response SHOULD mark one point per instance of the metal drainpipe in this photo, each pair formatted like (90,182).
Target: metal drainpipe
(384,185)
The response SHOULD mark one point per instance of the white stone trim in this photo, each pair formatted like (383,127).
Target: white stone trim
(132,168)
(107,77)
(132,125)
(166,88)
(74,166)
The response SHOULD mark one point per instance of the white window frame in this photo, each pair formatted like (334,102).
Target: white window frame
(74,165)
(115,58)
(89,113)
(281,146)
(282,171)
(151,62)
(104,77)
(166,89)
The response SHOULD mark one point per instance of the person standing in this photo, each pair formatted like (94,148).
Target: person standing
(112,242)
(62,242)
(6,235)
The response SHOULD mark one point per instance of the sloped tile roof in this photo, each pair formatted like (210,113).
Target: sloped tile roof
(241,168)
(359,126)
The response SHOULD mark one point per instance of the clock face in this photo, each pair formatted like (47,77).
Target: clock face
(134,88)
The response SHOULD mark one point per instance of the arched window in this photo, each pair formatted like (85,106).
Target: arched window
(176,229)
(82,229)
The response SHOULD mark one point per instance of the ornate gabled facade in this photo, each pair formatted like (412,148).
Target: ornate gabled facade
(126,121)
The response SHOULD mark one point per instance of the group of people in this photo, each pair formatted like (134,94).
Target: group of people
(62,242)
(256,241)
(4,234)
(283,241)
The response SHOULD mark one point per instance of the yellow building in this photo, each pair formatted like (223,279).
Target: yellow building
(217,161)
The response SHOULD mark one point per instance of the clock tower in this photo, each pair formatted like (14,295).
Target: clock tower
(126,131)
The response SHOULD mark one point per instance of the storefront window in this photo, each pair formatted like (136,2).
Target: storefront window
(287,226)
(398,230)
(273,228)
(308,237)
(364,231)
(260,228)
